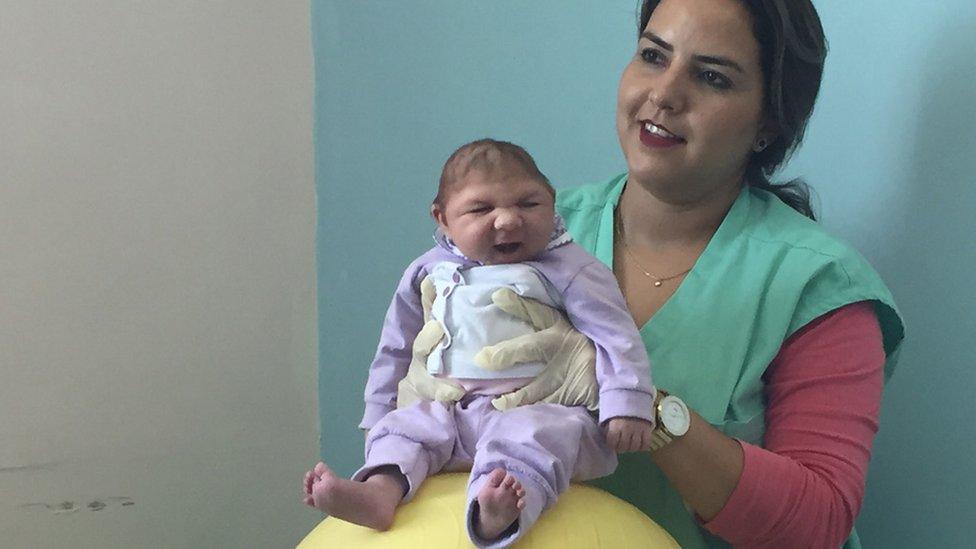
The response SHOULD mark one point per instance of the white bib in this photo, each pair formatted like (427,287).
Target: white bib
(471,320)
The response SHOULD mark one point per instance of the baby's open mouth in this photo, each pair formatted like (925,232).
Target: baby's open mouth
(507,248)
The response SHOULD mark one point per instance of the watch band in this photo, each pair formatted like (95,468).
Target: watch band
(659,439)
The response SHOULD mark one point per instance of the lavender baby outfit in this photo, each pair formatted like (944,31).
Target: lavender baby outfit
(545,446)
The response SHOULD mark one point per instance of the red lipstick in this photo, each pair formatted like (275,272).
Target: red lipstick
(656,141)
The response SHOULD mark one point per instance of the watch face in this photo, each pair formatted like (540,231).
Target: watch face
(674,416)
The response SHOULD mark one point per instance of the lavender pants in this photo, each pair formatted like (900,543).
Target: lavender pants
(543,445)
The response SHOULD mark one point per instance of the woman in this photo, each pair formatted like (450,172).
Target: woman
(776,329)
(776,336)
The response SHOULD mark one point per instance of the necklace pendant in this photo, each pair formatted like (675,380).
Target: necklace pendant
(657,283)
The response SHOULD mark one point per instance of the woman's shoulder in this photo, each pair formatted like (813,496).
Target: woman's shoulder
(828,271)
(774,223)
(583,208)
(799,247)
(591,197)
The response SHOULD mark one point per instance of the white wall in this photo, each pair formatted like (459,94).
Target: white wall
(157,326)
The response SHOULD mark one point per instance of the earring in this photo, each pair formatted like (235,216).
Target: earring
(760,145)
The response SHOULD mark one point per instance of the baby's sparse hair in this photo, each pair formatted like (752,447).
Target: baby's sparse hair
(488,156)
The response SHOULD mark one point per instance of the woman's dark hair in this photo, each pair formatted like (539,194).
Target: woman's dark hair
(792,51)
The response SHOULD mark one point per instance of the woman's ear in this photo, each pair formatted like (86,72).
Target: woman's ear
(768,132)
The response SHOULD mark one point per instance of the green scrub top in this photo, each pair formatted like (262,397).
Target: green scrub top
(766,273)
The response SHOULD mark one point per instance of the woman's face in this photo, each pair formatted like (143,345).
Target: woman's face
(689,107)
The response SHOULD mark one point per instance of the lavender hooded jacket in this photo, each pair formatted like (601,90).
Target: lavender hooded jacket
(594,305)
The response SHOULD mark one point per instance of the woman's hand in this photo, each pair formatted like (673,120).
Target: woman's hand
(629,434)
(570,358)
(419,384)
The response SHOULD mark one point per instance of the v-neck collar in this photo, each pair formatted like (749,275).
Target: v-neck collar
(727,231)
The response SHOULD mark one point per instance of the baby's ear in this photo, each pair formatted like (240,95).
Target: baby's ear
(437,213)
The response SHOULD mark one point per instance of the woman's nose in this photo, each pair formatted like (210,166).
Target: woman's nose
(507,220)
(666,91)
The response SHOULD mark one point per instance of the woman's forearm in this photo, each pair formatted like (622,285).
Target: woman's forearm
(704,466)
(805,486)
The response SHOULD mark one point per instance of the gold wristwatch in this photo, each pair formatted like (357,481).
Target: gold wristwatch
(672,417)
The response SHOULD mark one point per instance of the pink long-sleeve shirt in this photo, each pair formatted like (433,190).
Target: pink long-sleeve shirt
(805,488)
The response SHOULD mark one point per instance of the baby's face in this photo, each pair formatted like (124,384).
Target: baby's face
(494,220)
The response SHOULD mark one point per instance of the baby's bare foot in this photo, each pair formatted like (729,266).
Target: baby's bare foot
(500,501)
(370,503)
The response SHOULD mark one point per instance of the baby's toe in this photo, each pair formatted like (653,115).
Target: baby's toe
(496,477)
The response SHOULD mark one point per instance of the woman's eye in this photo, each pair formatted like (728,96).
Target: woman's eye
(716,79)
(650,55)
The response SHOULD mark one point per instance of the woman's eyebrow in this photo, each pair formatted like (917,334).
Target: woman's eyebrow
(707,59)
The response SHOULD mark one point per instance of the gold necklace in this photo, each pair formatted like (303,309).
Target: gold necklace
(658,281)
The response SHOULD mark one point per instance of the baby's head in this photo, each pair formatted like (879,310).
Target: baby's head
(494,203)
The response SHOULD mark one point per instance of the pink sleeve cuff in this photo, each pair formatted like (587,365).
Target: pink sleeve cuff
(746,508)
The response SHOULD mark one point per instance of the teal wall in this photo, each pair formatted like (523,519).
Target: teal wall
(890,151)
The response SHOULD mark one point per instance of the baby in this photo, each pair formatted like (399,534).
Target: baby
(497,229)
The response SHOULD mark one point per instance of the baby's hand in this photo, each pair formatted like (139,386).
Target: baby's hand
(311,478)
(629,434)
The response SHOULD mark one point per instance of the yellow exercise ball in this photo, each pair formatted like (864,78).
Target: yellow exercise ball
(583,517)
